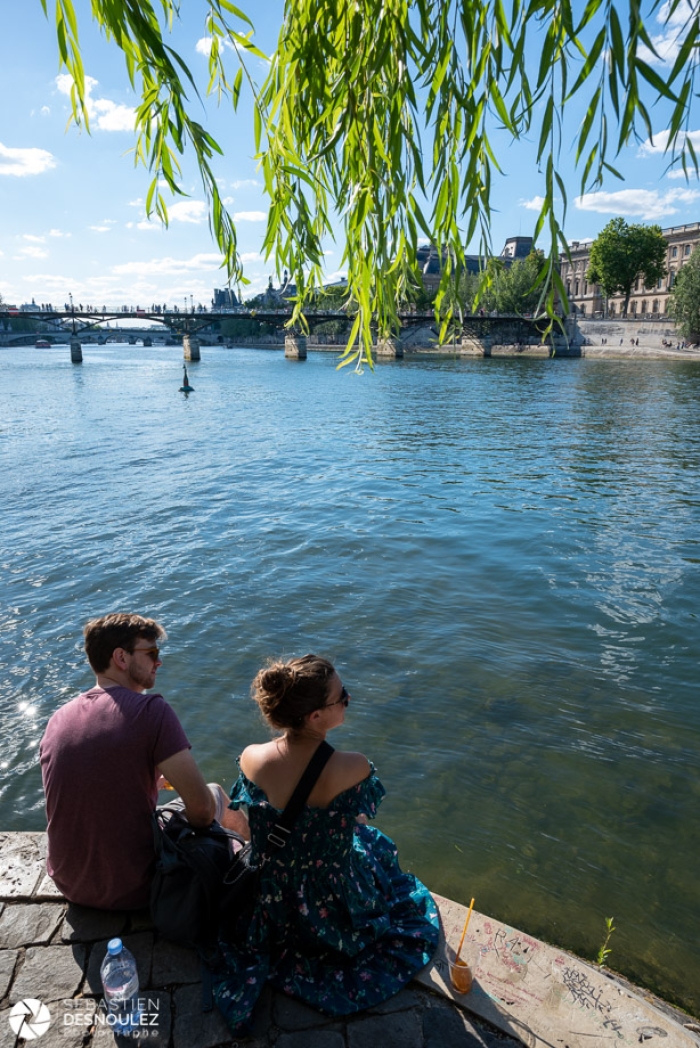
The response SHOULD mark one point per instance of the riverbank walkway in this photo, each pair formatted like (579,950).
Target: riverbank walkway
(525,992)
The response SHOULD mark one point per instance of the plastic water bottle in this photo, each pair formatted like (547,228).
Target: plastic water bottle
(120,982)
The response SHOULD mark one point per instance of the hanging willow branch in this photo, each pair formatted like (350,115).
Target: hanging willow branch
(378,117)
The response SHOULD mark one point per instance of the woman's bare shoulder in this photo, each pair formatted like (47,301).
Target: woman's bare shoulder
(349,769)
(255,757)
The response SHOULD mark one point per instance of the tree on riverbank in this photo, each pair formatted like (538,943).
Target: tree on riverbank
(379,117)
(621,253)
(510,289)
(684,302)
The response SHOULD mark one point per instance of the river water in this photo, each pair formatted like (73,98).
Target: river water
(501,556)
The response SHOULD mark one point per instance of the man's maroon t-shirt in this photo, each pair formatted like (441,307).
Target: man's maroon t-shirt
(99,758)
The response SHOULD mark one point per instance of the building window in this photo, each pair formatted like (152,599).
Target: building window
(659,284)
(576,285)
(644,306)
(655,306)
(674,252)
(671,278)
(611,309)
(636,284)
(568,289)
(634,309)
(686,249)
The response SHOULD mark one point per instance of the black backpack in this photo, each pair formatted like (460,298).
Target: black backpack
(202,888)
(188,885)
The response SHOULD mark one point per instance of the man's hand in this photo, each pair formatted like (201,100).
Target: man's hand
(182,773)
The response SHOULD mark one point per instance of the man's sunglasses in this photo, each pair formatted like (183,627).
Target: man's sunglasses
(154,653)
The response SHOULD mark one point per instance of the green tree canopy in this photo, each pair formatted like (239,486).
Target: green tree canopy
(379,116)
(621,252)
(684,303)
(508,289)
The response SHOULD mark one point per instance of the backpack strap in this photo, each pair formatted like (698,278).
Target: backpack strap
(280,834)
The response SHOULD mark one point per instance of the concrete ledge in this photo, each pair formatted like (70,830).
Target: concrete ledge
(525,992)
(545,996)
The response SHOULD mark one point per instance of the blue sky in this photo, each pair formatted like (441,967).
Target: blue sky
(72,217)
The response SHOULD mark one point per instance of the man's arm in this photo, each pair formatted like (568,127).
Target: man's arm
(184,776)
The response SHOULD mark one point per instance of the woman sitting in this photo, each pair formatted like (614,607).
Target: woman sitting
(337,924)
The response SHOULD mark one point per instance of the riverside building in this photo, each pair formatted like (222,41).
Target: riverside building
(587,300)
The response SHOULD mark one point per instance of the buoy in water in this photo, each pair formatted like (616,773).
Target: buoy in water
(186,387)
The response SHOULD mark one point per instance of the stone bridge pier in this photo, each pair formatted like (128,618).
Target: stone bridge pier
(76,350)
(295,347)
(190,347)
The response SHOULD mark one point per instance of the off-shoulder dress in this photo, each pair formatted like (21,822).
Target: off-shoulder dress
(338,924)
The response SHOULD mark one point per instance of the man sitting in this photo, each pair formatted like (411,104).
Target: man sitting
(104,756)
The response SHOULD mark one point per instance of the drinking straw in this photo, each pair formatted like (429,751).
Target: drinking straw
(464,930)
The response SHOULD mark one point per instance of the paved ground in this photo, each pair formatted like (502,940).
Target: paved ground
(525,991)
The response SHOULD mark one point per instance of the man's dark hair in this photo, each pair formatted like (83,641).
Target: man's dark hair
(120,630)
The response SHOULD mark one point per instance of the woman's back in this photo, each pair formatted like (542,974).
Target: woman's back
(277,766)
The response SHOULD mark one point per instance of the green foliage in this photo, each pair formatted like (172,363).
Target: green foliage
(684,302)
(373,107)
(604,952)
(505,289)
(621,252)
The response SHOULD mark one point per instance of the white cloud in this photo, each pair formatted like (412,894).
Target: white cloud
(34,239)
(227,201)
(203,46)
(111,116)
(679,173)
(59,233)
(21,162)
(136,203)
(100,229)
(249,216)
(251,256)
(668,42)
(649,204)
(242,182)
(660,143)
(156,226)
(171,266)
(533,205)
(45,111)
(194,211)
(33,252)
(103,114)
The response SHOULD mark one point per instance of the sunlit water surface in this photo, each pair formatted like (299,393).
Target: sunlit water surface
(502,557)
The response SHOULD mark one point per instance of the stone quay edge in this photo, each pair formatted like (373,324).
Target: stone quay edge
(524,992)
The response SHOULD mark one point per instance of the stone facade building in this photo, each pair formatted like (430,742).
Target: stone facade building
(587,299)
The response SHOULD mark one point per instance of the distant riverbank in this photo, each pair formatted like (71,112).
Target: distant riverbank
(615,340)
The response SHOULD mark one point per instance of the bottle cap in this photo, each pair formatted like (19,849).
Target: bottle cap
(114,946)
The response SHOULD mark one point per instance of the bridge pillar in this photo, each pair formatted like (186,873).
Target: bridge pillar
(295,347)
(76,351)
(148,342)
(389,349)
(190,347)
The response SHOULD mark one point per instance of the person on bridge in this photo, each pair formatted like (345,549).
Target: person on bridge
(104,757)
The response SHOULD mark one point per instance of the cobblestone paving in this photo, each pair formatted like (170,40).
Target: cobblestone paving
(51,951)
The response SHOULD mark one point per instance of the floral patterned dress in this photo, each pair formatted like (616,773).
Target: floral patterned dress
(338,925)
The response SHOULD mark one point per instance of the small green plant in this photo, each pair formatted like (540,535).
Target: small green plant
(603,952)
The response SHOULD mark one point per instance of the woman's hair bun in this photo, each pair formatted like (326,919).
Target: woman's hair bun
(275,681)
(287,692)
